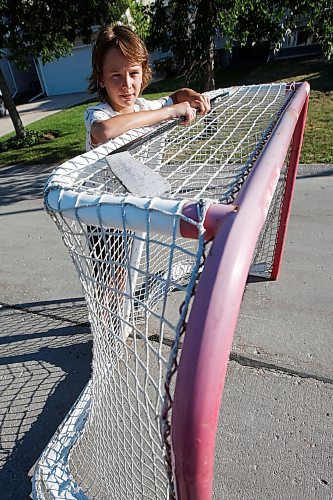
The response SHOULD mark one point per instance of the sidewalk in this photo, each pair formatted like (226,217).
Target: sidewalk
(41,108)
(275,432)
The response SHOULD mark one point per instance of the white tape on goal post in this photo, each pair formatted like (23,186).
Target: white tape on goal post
(138,269)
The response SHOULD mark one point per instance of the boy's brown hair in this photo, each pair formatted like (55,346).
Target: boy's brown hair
(130,45)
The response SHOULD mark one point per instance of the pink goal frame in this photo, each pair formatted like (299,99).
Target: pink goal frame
(214,314)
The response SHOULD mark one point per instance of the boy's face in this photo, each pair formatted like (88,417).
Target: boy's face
(122,80)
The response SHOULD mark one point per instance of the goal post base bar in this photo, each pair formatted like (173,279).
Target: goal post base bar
(52,479)
(205,354)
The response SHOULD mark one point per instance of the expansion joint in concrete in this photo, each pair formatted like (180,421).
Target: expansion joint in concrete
(237,358)
(263,365)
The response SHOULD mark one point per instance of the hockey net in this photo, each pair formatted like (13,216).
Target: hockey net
(139,274)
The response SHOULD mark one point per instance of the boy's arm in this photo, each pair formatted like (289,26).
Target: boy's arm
(102,131)
(195,99)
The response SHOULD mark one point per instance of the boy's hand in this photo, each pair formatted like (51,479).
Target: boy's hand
(202,102)
(184,109)
(195,99)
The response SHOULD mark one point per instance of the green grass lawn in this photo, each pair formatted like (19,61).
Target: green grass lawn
(317,143)
(317,147)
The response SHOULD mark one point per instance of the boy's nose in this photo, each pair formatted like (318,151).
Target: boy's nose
(127,81)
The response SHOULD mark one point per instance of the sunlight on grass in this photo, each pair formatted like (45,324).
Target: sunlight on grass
(71,141)
(317,143)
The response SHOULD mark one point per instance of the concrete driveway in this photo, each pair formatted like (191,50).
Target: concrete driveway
(41,108)
(275,432)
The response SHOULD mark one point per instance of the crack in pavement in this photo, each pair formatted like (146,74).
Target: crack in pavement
(257,364)
(238,358)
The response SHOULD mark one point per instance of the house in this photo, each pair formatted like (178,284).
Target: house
(20,81)
(68,74)
(297,43)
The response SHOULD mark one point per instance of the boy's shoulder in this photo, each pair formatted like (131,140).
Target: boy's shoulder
(100,106)
(149,104)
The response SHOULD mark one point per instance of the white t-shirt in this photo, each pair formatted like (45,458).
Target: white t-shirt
(103,111)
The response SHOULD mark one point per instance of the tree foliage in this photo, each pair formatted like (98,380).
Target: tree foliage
(48,30)
(188,27)
(140,18)
(320,22)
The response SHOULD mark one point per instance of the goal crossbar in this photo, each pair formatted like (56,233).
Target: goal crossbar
(113,209)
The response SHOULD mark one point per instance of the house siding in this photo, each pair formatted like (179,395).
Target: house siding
(68,74)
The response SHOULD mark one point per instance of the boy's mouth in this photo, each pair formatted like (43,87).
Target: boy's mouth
(127,97)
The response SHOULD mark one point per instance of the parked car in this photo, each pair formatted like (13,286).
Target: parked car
(3,110)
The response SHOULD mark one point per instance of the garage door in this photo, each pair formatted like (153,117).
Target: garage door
(68,74)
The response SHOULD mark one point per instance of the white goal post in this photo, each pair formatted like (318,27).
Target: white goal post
(163,278)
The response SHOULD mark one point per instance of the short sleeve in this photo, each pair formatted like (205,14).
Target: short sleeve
(167,101)
(97,113)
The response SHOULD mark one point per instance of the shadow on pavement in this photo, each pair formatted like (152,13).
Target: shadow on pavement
(44,365)
(23,182)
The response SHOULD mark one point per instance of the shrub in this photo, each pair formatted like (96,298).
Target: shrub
(32,138)
(165,67)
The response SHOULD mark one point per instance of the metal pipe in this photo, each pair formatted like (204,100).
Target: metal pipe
(213,318)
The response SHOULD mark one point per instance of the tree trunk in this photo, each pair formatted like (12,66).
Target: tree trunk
(10,105)
(209,69)
(207,22)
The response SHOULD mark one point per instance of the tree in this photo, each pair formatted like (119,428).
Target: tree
(320,22)
(48,30)
(188,28)
(264,20)
(139,18)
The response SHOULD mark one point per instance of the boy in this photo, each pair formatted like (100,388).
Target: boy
(120,72)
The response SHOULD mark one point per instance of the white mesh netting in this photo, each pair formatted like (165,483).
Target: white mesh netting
(138,275)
